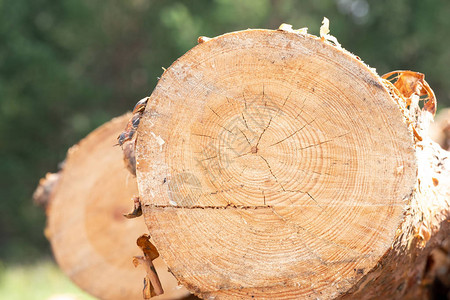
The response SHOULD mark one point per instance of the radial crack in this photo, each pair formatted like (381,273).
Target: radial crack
(284,103)
(243,170)
(204,135)
(264,196)
(245,137)
(314,145)
(327,141)
(264,96)
(270,170)
(245,121)
(307,193)
(245,101)
(227,129)
(208,158)
(264,130)
(214,112)
(292,134)
(243,154)
(301,109)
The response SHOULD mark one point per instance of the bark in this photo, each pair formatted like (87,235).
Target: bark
(406,271)
(276,165)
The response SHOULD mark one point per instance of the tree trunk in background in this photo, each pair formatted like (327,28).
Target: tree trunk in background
(275,165)
(91,240)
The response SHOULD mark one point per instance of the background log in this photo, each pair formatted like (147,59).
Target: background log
(92,241)
(440,129)
(275,165)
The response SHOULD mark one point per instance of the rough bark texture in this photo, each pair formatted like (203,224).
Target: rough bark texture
(405,272)
(275,165)
(91,240)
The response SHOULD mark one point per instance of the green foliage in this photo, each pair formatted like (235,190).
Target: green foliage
(68,66)
(42,280)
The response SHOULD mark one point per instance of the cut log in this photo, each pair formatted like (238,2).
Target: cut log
(92,241)
(276,165)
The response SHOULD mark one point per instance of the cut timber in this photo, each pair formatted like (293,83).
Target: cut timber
(92,242)
(274,165)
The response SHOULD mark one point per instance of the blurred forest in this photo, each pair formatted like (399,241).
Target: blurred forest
(68,66)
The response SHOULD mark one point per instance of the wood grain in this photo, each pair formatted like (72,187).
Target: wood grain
(272,165)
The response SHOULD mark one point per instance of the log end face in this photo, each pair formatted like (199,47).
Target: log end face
(283,171)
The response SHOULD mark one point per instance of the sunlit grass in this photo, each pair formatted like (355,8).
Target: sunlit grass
(43,280)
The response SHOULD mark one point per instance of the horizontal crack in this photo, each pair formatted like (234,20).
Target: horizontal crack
(228,206)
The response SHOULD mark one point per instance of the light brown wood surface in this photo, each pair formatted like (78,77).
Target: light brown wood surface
(274,165)
(91,240)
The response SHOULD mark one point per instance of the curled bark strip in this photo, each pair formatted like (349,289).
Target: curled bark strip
(133,123)
(152,284)
(137,210)
(417,135)
(129,157)
(127,139)
(410,83)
